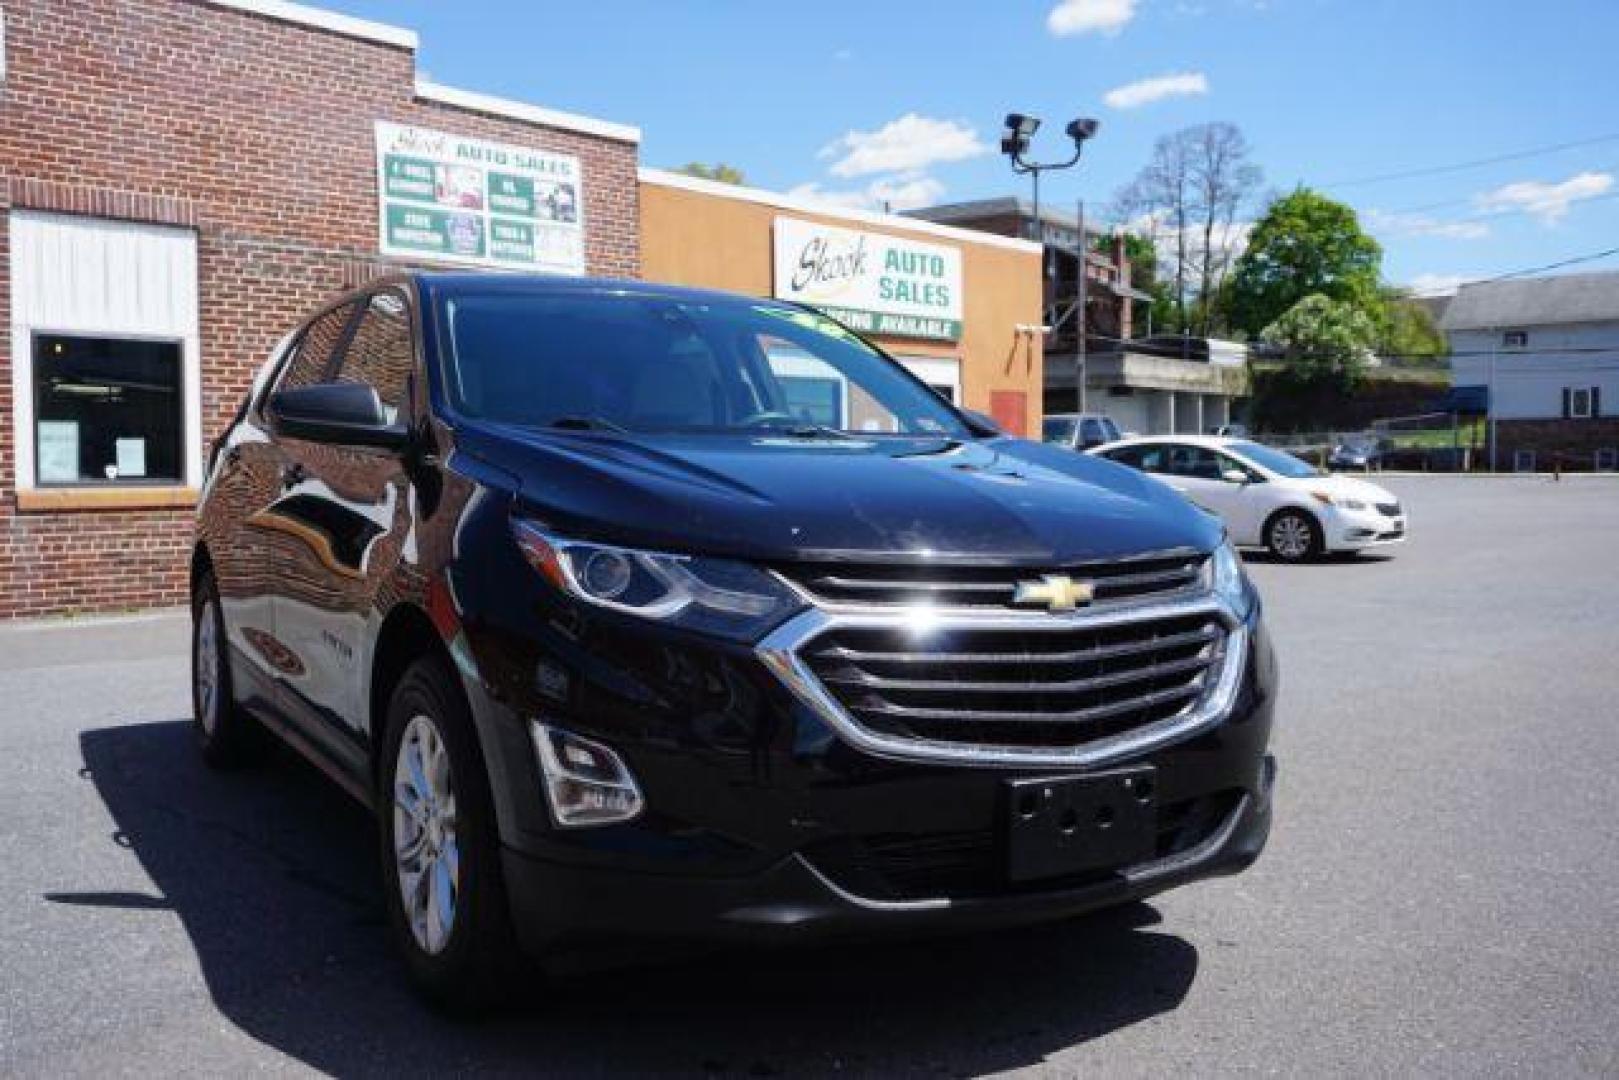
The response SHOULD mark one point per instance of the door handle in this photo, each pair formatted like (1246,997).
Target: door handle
(293,475)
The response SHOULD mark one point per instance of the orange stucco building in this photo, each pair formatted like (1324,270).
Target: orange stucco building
(961,309)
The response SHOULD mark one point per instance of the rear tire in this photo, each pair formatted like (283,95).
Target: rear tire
(1294,536)
(226,735)
(446,895)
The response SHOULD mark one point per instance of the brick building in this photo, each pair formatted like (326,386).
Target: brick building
(183,181)
(180,181)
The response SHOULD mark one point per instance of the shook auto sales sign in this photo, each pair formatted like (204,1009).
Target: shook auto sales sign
(477,203)
(877,284)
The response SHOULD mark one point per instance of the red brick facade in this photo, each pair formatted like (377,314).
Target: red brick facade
(257,133)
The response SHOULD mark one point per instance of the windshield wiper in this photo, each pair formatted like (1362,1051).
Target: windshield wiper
(811,431)
(586,423)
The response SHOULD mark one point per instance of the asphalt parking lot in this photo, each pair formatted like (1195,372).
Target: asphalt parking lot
(1441,893)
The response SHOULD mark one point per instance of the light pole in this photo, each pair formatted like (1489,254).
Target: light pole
(1020,128)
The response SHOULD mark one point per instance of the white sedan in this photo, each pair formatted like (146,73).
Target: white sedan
(1266,497)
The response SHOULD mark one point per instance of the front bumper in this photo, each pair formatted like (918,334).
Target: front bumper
(1353,530)
(764,824)
(795,902)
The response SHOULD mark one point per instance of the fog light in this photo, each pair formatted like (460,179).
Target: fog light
(586,783)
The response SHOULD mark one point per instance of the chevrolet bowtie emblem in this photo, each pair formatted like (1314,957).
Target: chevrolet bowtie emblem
(1058,592)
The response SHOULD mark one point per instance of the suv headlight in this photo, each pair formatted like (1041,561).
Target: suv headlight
(719,596)
(1224,576)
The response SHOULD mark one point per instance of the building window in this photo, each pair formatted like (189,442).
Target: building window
(106,381)
(107,411)
(1579,402)
(1515,339)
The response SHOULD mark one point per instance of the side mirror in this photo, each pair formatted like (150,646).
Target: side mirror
(345,413)
(1234,476)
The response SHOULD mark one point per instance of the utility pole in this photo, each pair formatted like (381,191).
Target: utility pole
(1489,403)
(1079,352)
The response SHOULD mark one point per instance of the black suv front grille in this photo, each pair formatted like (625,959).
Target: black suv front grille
(1058,685)
(957,586)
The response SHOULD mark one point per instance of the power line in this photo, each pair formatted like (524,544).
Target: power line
(1575,261)
(1459,166)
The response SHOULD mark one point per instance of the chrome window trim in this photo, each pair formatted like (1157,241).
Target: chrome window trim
(780,652)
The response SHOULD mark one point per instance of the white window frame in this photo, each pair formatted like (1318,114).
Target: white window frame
(936,371)
(1507,341)
(1574,410)
(33,316)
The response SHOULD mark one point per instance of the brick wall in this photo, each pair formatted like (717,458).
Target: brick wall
(1576,441)
(259,134)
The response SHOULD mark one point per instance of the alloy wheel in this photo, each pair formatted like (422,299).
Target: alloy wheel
(1291,537)
(427,854)
(205,668)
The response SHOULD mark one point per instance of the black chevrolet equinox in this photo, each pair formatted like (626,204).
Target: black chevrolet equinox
(638,613)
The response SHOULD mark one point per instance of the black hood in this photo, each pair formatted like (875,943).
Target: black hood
(779,499)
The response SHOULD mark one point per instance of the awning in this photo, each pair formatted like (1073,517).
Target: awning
(1126,292)
(1464,400)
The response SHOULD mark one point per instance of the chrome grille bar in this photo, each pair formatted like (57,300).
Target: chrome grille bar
(1185,658)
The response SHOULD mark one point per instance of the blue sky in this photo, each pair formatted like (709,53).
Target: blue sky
(864,101)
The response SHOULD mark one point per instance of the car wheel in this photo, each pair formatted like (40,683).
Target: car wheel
(226,735)
(1293,536)
(440,851)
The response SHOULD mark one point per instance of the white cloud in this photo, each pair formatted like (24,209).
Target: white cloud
(912,142)
(1090,17)
(1436,284)
(907,191)
(1402,224)
(1227,242)
(1146,91)
(1548,202)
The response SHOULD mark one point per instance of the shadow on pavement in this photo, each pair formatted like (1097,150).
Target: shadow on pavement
(272,873)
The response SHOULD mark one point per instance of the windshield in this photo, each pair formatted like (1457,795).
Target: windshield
(1277,461)
(659,364)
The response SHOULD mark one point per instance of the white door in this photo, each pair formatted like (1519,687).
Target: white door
(1198,473)
(941,373)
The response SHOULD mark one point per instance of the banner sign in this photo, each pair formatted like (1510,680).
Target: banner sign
(477,203)
(877,284)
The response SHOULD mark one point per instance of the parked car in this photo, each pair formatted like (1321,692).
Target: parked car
(546,574)
(1230,431)
(1267,497)
(1079,431)
(1363,452)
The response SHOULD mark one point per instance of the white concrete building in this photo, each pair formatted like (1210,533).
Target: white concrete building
(1544,353)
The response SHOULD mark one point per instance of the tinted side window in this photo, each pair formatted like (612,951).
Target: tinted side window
(312,356)
(1128,455)
(1152,458)
(381,354)
(1195,462)
(1091,431)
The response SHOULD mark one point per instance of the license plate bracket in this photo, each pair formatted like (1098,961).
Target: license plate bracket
(1071,824)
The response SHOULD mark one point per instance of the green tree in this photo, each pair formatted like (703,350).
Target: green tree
(1408,330)
(1144,276)
(1305,244)
(725,174)
(1323,339)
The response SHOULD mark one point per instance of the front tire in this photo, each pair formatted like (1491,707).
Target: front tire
(225,734)
(446,895)
(1294,536)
